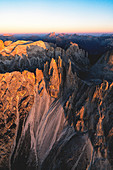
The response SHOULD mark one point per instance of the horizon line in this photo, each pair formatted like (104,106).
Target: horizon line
(11,33)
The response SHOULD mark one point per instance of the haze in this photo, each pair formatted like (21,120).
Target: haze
(69,16)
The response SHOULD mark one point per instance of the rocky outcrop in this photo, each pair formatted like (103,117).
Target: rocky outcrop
(55,119)
(51,35)
(22,48)
(103,69)
(77,56)
(67,130)
(6,43)
(16,96)
(21,55)
(1,45)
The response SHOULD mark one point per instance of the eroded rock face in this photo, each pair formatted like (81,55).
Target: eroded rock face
(103,69)
(1,45)
(21,55)
(6,43)
(50,133)
(16,95)
(53,119)
(77,56)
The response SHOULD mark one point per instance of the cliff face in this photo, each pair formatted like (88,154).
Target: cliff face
(22,55)
(53,118)
(16,95)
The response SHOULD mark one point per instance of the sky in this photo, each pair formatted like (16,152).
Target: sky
(60,16)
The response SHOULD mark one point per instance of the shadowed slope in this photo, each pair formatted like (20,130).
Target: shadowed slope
(49,133)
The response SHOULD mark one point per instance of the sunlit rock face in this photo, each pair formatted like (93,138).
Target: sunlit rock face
(22,47)
(49,129)
(21,55)
(1,45)
(16,96)
(54,117)
(6,43)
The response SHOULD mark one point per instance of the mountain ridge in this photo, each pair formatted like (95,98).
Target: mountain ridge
(60,114)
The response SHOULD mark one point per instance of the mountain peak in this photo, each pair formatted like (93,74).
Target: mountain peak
(52,34)
(73,44)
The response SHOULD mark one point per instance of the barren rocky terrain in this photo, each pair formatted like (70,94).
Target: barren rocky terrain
(55,107)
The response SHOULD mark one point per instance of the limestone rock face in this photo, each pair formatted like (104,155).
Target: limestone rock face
(20,55)
(24,47)
(51,118)
(6,43)
(16,96)
(77,56)
(1,45)
(59,52)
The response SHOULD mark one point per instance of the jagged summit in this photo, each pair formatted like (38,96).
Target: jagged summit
(103,69)
(51,110)
(29,55)
(74,44)
(52,34)
(21,55)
